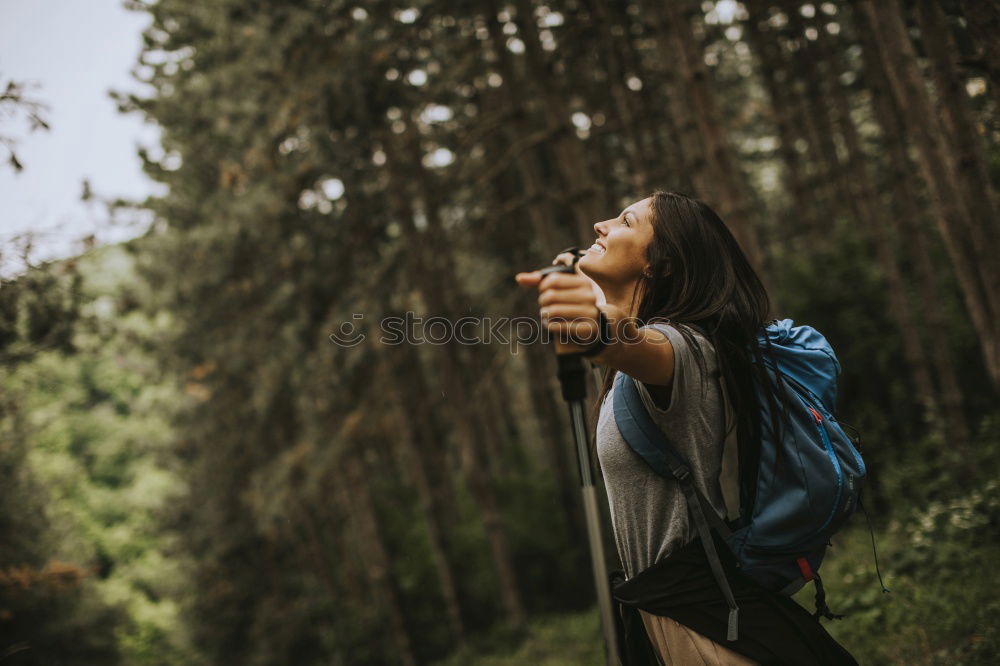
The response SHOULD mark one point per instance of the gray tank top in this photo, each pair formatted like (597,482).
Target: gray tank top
(648,512)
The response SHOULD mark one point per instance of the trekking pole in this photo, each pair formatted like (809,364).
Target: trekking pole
(572,377)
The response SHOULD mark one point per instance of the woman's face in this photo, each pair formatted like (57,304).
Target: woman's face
(618,257)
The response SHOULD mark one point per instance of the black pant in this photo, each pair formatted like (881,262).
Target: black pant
(772,630)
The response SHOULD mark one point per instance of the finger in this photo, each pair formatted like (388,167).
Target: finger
(562,281)
(582,313)
(564,258)
(577,331)
(529,279)
(573,332)
(578,295)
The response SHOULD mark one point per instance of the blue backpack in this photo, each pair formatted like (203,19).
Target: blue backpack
(809,476)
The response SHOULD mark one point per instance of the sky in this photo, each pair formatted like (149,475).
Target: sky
(75,51)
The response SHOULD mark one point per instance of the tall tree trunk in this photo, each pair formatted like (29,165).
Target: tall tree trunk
(493,418)
(715,173)
(355,498)
(434,282)
(639,169)
(660,136)
(833,176)
(580,187)
(982,19)
(776,78)
(558,187)
(544,404)
(966,244)
(830,108)
(540,209)
(877,222)
(403,412)
(971,168)
(910,216)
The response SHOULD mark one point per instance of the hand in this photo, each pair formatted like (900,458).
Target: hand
(566,259)
(567,305)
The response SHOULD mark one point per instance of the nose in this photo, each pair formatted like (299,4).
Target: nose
(599,228)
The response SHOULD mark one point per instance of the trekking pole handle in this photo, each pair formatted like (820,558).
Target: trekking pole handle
(571,372)
(604,330)
(564,268)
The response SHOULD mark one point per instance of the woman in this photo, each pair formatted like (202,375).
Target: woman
(669,262)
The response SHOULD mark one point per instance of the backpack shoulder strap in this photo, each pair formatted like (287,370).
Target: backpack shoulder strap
(642,433)
(646,439)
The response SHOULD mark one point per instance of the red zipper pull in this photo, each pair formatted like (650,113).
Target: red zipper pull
(819,419)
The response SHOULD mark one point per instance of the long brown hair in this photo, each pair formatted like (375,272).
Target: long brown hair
(700,278)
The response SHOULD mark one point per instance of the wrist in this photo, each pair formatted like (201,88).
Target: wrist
(604,336)
(613,327)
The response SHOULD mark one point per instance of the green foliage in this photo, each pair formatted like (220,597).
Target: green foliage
(94,422)
(38,311)
(50,607)
(936,560)
(551,640)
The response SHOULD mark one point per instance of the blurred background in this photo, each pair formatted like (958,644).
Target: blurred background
(194,471)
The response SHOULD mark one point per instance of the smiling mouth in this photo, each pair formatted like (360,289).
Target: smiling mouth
(597,248)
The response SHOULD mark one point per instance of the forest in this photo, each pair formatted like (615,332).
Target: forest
(195,468)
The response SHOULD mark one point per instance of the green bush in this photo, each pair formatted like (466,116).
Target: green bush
(936,560)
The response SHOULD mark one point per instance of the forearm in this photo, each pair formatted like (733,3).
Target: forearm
(644,354)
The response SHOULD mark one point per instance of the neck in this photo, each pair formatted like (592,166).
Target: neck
(623,296)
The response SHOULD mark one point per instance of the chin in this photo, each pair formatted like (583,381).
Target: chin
(587,264)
